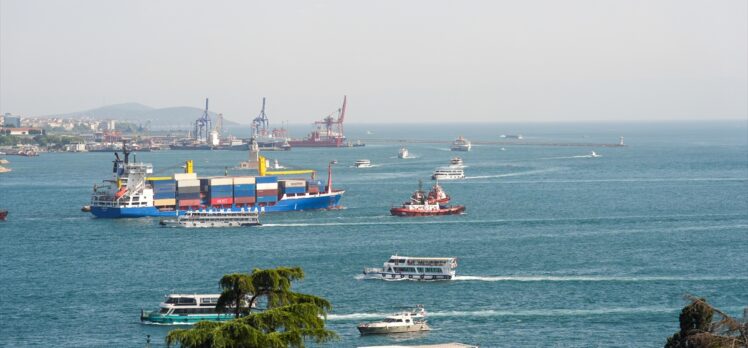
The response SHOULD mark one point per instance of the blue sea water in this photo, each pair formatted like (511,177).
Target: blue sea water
(556,249)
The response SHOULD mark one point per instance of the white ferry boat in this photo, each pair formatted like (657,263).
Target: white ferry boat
(213,218)
(396,323)
(414,268)
(362,163)
(448,173)
(461,144)
(186,309)
(403,153)
(456,162)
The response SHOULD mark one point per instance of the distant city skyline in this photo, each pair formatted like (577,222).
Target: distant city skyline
(404,62)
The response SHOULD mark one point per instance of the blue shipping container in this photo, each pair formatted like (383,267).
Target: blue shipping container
(266,179)
(267,199)
(295,190)
(244,193)
(192,195)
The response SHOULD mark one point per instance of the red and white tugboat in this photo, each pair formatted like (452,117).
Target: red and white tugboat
(437,195)
(421,205)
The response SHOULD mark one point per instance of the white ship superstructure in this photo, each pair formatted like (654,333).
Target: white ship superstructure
(414,268)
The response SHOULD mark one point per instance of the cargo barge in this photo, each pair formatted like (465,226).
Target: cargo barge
(134,192)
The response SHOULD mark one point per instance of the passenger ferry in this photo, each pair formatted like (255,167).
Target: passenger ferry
(461,144)
(448,173)
(414,268)
(186,309)
(362,163)
(214,218)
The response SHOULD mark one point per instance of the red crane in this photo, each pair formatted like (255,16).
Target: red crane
(329,122)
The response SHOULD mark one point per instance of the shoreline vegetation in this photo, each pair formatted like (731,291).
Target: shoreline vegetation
(288,318)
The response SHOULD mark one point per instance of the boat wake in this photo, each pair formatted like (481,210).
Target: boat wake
(529,172)
(549,312)
(591,278)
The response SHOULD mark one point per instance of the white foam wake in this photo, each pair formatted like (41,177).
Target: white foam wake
(529,172)
(542,312)
(547,278)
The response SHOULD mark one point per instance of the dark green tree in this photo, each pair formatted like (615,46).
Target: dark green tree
(289,320)
(698,330)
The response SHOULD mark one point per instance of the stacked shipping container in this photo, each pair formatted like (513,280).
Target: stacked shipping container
(292,187)
(164,193)
(221,191)
(245,190)
(267,189)
(188,192)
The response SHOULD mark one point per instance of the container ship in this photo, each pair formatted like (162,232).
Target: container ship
(327,133)
(134,192)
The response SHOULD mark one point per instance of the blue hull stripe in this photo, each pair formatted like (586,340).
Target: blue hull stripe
(288,204)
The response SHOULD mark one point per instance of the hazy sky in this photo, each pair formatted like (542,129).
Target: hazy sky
(398,61)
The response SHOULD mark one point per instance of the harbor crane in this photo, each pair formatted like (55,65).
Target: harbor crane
(261,123)
(202,125)
(329,122)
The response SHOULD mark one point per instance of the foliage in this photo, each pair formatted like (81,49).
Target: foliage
(289,320)
(45,140)
(10,140)
(697,329)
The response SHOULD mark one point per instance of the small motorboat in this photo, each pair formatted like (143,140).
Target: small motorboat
(594,154)
(401,322)
(456,162)
(403,154)
(362,163)
(3,214)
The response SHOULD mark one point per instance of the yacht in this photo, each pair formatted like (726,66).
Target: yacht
(403,153)
(448,173)
(396,323)
(186,309)
(414,268)
(362,163)
(461,144)
(213,218)
(456,162)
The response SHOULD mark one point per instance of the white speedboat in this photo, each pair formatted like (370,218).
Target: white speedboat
(461,144)
(594,154)
(362,163)
(396,323)
(456,162)
(213,218)
(403,153)
(414,268)
(448,173)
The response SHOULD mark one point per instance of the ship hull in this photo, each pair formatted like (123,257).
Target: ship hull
(310,202)
(157,318)
(411,212)
(320,143)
